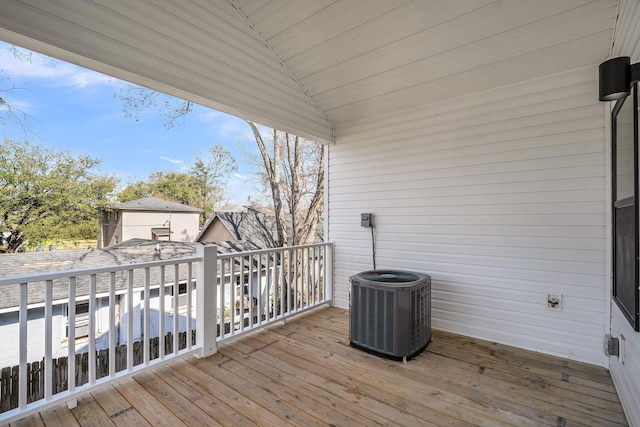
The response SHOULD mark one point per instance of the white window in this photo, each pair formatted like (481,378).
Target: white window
(182,295)
(82,320)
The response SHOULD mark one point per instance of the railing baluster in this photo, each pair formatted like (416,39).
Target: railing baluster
(161,314)
(295,280)
(71,350)
(221,319)
(147,317)
(189,304)
(252,261)
(270,303)
(243,274)
(304,264)
(22,396)
(176,308)
(322,282)
(312,266)
(130,321)
(327,274)
(290,285)
(48,336)
(281,281)
(232,293)
(112,324)
(92,329)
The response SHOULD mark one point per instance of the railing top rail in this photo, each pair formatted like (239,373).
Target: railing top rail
(16,280)
(270,250)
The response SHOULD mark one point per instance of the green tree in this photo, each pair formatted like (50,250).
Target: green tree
(176,186)
(202,187)
(136,190)
(47,194)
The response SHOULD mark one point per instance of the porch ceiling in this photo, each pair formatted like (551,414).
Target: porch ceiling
(315,66)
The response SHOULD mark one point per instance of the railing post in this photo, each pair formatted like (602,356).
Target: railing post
(207,307)
(328,274)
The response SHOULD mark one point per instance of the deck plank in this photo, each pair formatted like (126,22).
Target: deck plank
(261,394)
(320,404)
(250,409)
(33,420)
(371,410)
(59,416)
(447,406)
(90,413)
(181,407)
(118,408)
(543,402)
(149,407)
(305,373)
(203,399)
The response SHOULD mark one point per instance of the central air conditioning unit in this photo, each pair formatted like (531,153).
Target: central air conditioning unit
(390,312)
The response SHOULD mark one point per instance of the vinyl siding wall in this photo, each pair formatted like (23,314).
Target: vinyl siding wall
(500,197)
(627,376)
(138,224)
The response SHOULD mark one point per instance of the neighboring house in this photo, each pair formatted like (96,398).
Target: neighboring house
(239,231)
(235,231)
(244,230)
(148,218)
(130,252)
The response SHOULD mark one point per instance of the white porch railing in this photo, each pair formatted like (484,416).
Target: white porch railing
(147,315)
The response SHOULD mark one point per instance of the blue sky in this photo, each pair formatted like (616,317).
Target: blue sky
(74,109)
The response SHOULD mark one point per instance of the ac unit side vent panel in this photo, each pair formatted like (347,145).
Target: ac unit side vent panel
(390,318)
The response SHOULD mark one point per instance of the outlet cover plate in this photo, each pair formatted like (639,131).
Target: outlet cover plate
(554,302)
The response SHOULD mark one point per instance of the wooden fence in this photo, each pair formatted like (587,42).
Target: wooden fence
(9,376)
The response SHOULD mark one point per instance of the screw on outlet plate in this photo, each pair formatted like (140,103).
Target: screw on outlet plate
(554,302)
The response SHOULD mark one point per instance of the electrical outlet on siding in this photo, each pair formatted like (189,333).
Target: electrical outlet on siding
(554,302)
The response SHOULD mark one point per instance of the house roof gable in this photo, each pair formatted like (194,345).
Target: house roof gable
(256,229)
(151,203)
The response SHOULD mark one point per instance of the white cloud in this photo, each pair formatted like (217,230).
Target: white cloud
(241,176)
(174,161)
(226,125)
(49,70)
(210,116)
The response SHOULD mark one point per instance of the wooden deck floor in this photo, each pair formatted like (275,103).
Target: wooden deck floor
(304,373)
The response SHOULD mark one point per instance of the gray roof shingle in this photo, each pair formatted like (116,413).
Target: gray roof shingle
(130,252)
(154,204)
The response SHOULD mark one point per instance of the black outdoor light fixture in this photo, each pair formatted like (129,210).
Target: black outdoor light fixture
(616,77)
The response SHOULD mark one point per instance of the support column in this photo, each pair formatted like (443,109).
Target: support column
(206,306)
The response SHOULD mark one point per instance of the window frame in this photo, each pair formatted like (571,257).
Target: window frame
(633,316)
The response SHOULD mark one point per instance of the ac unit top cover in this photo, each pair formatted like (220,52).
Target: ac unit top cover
(389,278)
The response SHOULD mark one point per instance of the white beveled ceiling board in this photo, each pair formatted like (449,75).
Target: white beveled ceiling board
(199,50)
(312,66)
(359,62)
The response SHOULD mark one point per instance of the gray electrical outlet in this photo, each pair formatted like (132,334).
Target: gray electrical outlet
(366,219)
